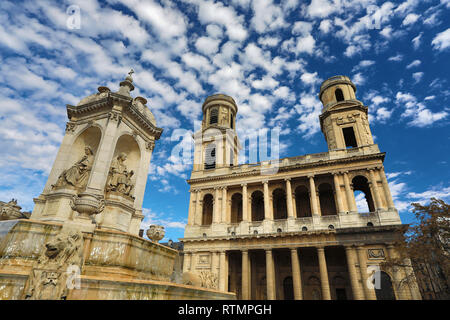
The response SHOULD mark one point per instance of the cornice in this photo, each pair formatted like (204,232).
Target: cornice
(256,170)
(108,102)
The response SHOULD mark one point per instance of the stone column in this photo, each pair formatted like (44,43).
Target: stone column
(368,292)
(375,191)
(198,209)
(245,276)
(323,274)
(223,271)
(313,196)
(349,194)
(268,214)
(358,293)
(387,190)
(103,158)
(296,275)
(270,275)
(224,204)
(216,212)
(192,202)
(244,202)
(290,210)
(187,262)
(337,188)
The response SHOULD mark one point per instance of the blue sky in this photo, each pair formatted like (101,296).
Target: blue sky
(270,56)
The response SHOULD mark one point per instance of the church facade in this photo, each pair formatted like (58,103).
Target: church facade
(290,228)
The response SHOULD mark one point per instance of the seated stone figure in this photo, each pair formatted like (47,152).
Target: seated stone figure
(77,175)
(119,179)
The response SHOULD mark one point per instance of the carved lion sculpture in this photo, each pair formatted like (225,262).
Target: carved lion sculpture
(49,278)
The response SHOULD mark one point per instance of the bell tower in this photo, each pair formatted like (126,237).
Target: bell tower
(216,144)
(344,119)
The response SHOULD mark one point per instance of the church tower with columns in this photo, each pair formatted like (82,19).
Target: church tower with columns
(300,232)
(216,143)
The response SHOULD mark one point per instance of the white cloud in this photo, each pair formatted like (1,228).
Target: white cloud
(211,12)
(396,58)
(410,19)
(416,111)
(309,109)
(320,8)
(417,41)
(267,16)
(417,76)
(207,46)
(325,25)
(305,44)
(442,40)
(358,79)
(413,64)
(310,78)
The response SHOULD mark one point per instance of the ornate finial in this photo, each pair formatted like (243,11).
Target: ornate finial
(127,85)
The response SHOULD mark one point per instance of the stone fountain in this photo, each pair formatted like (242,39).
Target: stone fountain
(82,239)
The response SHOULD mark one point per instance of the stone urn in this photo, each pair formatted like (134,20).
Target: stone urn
(87,205)
(155,233)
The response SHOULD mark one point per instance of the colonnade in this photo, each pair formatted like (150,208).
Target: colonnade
(356,264)
(343,193)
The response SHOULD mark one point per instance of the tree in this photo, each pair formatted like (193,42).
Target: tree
(427,244)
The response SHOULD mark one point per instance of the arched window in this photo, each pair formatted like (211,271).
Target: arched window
(326,199)
(279,204)
(207,210)
(214,115)
(363,196)
(302,202)
(383,286)
(210,156)
(236,208)
(231,121)
(257,206)
(339,95)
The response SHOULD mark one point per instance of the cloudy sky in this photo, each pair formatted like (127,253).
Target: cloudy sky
(270,56)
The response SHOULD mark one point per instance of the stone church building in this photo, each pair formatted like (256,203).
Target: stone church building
(290,228)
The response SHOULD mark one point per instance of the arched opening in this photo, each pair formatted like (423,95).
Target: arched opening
(383,289)
(124,166)
(77,168)
(288,288)
(339,95)
(326,200)
(207,213)
(302,202)
(236,208)
(210,156)
(231,121)
(257,206)
(279,204)
(314,287)
(213,117)
(363,196)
